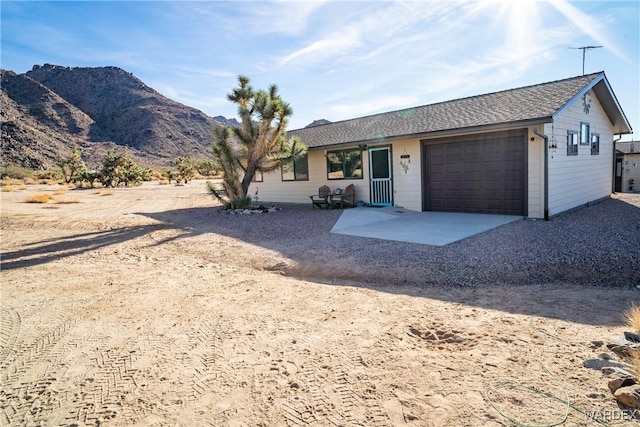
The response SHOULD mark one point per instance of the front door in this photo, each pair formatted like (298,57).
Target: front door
(380,169)
(618,188)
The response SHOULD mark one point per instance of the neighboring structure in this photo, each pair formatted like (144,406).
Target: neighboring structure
(534,151)
(627,169)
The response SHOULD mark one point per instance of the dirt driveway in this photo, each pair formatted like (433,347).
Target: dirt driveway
(146,307)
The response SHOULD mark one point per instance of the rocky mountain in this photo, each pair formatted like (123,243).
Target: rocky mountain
(50,110)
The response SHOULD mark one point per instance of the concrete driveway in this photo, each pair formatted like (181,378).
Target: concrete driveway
(427,228)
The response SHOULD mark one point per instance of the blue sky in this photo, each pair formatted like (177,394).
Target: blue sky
(334,60)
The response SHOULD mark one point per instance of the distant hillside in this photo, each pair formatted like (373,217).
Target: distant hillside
(51,109)
(38,126)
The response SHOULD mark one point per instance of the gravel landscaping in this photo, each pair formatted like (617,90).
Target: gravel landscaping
(597,244)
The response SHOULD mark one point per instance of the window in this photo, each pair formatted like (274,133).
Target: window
(572,143)
(584,133)
(595,143)
(295,169)
(344,164)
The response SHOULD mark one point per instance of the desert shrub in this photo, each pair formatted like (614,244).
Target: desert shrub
(206,167)
(49,175)
(39,198)
(186,169)
(61,191)
(11,182)
(72,167)
(15,172)
(632,317)
(7,188)
(68,201)
(118,168)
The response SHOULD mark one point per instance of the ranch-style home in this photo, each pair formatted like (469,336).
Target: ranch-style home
(534,151)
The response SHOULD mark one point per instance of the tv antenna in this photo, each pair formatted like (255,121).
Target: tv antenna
(584,53)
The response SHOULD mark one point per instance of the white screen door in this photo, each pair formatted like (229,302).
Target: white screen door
(380,167)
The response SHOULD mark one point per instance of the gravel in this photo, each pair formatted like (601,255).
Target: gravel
(597,244)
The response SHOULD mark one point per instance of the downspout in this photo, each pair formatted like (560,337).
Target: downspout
(613,181)
(546,172)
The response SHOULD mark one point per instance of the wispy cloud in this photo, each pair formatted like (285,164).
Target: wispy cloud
(331,59)
(588,25)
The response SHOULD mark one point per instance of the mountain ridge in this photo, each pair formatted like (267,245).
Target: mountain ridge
(51,110)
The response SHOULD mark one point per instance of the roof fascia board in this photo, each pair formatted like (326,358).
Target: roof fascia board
(600,78)
(442,133)
(618,106)
(578,95)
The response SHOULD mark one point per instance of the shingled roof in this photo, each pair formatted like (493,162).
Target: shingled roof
(525,105)
(628,147)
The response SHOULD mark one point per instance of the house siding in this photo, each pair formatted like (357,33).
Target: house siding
(535,176)
(577,180)
(631,170)
(407,187)
(273,189)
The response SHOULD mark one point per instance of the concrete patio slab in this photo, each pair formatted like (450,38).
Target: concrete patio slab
(427,228)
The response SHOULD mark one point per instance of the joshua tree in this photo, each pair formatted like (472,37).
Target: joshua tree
(72,167)
(258,144)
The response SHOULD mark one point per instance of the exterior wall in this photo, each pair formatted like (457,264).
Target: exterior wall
(631,170)
(535,175)
(577,180)
(273,189)
(407,185)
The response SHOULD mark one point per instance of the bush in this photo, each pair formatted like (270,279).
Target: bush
(39,198)
(186,169)
(15,172)
(120,169)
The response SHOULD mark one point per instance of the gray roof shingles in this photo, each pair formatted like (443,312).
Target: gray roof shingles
(628,147)
(515,105)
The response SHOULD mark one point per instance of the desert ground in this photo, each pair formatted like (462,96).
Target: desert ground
(146,306)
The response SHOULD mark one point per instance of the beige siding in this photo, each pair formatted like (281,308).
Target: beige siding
(576,180)
(535,176)
(631,170)
(273,189)
(407,187)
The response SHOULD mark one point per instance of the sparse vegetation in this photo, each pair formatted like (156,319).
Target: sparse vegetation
(73,167)
(632,318)
(207,168)
(15,173)
(68,201)
(39,198)
(118,168)
(186,169)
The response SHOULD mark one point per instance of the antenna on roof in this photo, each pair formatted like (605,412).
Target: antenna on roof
(584,53)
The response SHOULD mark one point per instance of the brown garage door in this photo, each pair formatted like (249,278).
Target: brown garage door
(482,173)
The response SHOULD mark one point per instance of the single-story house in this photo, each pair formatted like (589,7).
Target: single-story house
(533,151)
(627,170)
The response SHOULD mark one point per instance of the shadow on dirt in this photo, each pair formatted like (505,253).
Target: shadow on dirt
(556,260)
(528,267)
(49,250)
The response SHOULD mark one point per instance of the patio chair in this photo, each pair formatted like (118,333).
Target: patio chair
(345,200)
(322,198)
